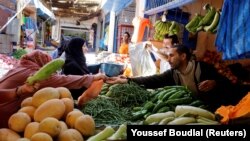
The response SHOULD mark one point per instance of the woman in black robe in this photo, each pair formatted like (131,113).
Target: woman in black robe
(75,62)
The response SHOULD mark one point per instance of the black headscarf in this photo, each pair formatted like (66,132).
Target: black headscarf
(75,53)
(63,45)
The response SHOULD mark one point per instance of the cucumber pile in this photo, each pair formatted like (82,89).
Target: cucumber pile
(183,115)
(166,99)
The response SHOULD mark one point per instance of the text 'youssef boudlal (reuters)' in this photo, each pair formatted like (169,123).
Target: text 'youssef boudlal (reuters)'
(196,132)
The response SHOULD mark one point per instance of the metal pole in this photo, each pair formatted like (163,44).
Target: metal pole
(12,18)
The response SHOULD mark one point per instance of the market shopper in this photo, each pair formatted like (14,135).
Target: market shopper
(11,95)
(28,65)
(201,78)
(59,52)
(125,43)
(75,62)
(168,42)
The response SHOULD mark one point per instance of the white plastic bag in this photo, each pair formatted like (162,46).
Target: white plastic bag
(141,60)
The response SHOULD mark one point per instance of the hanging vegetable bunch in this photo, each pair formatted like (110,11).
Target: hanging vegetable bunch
(208,23)
(163,27)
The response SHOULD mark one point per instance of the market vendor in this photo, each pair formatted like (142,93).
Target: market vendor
(14,94)
(201,78)
(168,42)
(29,64)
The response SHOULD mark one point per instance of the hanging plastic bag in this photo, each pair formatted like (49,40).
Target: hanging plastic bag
(141,61)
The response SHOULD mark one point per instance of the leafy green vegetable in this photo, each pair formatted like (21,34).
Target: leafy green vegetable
(19,53)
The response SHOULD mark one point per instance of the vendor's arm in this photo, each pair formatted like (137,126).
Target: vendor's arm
(7,95)
(71,81)
(211,78)
(16,93)
(160,53)
(154,81)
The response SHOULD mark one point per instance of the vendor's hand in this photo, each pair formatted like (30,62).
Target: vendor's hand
(117,80)
(100,76)
(27,89)
(207,85)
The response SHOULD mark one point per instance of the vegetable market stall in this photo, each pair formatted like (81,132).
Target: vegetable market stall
(6,63)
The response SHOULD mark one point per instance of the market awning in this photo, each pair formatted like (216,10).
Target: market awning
(153,7)
(115,5)
(43,12)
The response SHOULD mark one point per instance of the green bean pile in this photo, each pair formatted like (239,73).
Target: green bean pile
(128,95)
(106,111)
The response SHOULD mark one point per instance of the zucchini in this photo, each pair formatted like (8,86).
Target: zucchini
(46,71)
(196,103)
(166,120)
(163,109)
(182,121)
(169,94)
(149,106)
(179,101)
(120,134)
(162,93)
(103,135)
(154,99)
(182,109)
(139,114)
(177,95)
(147,114)
(155,92)
(158,117)
(196,123)
(158,106)
(178,87)
(206,121)
(154,123)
